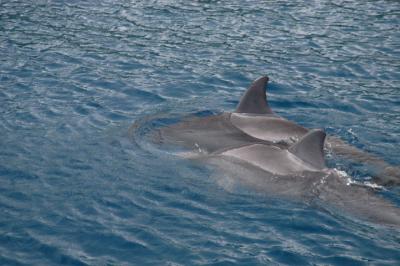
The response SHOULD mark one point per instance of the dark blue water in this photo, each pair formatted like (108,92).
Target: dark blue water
(75,189)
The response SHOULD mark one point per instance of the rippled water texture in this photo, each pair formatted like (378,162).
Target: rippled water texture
(75,189)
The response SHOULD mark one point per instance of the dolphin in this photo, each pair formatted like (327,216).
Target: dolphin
(300,172)
(253,121)
(269,153)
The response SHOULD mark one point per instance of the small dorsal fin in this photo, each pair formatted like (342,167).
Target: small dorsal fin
(310,148)
(254,100)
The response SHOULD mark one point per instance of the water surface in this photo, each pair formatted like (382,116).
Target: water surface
(75,189)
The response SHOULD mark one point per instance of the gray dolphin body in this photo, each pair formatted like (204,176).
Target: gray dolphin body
(253,121)
(271,154)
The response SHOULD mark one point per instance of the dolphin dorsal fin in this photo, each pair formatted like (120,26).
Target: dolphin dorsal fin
(310,148)
(254,100)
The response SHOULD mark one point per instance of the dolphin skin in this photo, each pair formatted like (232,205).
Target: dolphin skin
(274,155)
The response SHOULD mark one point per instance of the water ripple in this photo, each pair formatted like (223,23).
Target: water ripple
(77,187)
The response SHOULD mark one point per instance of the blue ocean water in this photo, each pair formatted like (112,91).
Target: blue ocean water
(75,189)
